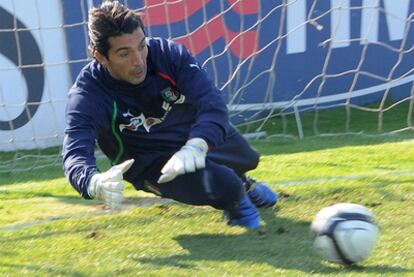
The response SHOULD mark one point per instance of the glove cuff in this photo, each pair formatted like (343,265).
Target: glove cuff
(92,185)
(198,143)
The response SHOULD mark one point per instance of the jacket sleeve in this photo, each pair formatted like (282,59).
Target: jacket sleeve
(79,162)
(212,121)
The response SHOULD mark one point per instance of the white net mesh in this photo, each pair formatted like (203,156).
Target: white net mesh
(33,74)
(288,68)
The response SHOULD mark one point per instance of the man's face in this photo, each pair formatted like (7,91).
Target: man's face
(127,57)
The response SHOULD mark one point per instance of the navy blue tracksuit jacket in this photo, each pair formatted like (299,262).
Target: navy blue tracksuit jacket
(149,122)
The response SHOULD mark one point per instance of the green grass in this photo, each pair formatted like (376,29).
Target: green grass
(46,229)
(337,121)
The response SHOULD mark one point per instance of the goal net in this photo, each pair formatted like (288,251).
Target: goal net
(294,68)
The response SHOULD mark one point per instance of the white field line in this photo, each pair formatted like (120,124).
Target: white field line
(142,203)
(18,226)
(391,173)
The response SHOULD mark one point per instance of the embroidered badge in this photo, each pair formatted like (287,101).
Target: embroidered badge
(170,95)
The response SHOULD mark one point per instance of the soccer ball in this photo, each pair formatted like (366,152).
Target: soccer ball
(344,233)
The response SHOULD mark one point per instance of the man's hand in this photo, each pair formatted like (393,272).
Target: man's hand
(189,158)
(108,186)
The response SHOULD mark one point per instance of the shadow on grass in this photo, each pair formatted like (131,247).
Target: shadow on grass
(277,246)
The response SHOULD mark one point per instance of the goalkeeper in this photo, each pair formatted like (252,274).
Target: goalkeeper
(160,120)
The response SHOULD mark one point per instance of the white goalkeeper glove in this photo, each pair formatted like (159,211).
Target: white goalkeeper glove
(108,186)
(189,158)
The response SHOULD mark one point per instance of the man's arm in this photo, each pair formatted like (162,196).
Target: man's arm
(211,123)
(78,146)
(79,159)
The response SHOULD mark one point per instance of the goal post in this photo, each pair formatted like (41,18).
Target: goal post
(288,67)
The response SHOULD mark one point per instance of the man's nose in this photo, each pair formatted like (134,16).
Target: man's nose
(138,59)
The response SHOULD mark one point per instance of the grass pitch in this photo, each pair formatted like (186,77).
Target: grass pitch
(46,229)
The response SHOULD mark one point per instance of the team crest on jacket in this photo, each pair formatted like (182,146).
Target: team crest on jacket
(171,95)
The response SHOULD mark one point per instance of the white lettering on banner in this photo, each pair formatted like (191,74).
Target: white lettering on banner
(396,13)
(296,28)
(340,23)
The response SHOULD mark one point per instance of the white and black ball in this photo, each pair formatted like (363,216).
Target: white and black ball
(344,233)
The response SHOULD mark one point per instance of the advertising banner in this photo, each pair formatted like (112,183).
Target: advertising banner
(34,74)
(260,54)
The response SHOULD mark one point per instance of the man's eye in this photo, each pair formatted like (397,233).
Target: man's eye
(123,54)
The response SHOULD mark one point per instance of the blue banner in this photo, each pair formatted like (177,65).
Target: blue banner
(303,53)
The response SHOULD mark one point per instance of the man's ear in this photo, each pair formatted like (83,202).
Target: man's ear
(100,58)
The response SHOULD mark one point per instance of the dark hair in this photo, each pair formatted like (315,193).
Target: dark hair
(111,19)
